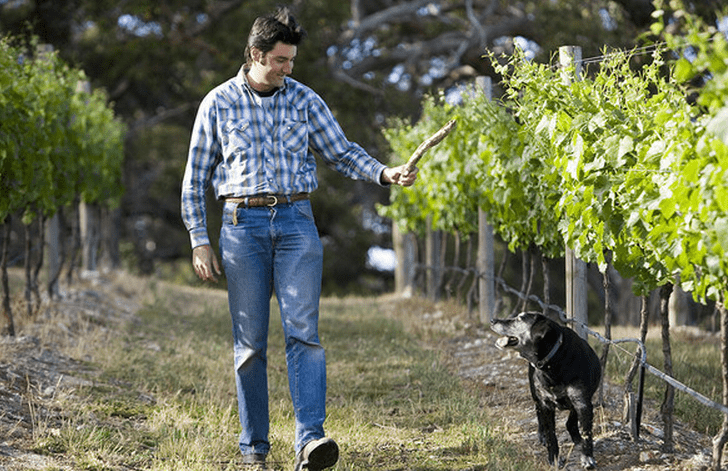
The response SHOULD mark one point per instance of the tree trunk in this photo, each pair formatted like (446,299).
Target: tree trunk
(667,406)
(449,291)
(630,410)
(720,440)
(7,311)
(28,277)
(464,279)
(74,244)
(546,284)
(607,323)
(531,272)
(39,261)
(521,305)
(56,253)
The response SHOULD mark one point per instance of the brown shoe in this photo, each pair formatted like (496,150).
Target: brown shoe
(317,455)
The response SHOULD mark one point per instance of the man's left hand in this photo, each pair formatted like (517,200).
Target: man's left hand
(398,176)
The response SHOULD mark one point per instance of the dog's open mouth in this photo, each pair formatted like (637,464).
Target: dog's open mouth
(504,342)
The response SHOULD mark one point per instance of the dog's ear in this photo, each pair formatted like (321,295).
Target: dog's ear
(544,334)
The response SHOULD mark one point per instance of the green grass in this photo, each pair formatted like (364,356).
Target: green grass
(165,398)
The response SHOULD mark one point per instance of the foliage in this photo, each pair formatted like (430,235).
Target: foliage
(56,143)
(619,161)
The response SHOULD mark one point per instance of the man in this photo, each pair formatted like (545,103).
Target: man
(251,140)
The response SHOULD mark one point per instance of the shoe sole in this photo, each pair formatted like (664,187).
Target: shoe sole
(323,456)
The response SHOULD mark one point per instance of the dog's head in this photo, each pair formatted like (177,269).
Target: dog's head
(532,334)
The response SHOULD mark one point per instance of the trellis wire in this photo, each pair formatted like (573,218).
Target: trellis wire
(616,343)
(643,357)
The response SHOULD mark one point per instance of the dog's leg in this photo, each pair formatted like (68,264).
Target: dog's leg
(572,425)
(539,407)
(585,417)
(546,415)
(547,431)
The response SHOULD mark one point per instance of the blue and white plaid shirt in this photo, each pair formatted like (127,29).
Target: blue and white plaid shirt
(246,145)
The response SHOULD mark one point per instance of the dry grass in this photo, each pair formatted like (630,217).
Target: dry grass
(161,394)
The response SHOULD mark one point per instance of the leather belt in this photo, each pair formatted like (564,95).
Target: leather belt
(262,201)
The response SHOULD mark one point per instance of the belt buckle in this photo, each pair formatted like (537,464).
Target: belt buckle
(275,201)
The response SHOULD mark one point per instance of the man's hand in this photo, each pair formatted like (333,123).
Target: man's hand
(397,176)
(205,263)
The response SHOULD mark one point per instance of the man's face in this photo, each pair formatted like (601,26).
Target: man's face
(269,70)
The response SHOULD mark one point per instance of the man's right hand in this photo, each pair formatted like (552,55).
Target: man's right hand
(205,263)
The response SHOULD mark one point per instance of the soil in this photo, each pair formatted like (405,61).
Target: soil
(35,373)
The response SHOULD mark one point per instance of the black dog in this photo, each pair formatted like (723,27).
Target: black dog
(563,372)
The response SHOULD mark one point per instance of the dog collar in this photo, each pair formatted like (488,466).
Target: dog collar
(541,363)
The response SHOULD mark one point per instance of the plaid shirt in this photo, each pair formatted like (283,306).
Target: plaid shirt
(246,145)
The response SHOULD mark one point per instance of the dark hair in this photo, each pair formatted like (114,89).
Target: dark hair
(268,30)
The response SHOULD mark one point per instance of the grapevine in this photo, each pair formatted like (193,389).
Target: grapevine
(619,162)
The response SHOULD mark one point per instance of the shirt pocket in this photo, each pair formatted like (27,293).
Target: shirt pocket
(294,132)
(237,138)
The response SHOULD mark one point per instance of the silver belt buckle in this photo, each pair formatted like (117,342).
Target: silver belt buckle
(275,201)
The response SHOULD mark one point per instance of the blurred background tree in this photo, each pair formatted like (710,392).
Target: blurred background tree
(369,59)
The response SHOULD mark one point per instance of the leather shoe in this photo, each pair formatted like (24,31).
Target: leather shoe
(255,461)
(317,455)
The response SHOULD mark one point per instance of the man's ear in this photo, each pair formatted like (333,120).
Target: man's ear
(256,54)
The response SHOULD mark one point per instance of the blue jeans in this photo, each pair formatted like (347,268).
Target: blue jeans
(275,249)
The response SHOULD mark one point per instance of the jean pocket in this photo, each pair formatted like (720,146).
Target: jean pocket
(304,209)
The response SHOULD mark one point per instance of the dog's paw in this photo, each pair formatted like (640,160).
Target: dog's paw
(587,462)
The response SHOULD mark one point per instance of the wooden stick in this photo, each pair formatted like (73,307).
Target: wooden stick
(426,144)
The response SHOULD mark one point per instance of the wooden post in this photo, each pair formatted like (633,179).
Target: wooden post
(110,228)
(89,216)
(89,222)
(53,227)
(576,285)
(679,307)
(405,249)
(432,261)
(486,258)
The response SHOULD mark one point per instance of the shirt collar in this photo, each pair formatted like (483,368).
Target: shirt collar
(244,84)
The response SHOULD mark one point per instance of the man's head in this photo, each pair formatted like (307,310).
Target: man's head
(269,30)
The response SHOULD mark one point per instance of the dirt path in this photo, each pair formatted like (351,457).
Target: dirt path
(34,374)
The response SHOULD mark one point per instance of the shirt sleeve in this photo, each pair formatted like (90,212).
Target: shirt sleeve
(204,154)
(329,141)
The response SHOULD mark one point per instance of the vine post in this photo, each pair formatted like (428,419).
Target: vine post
(486,257)
(89,217)
(433,240)
(405,248)
(576,286)
(53,228)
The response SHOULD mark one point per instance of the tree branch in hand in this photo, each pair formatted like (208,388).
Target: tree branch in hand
(426,144)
